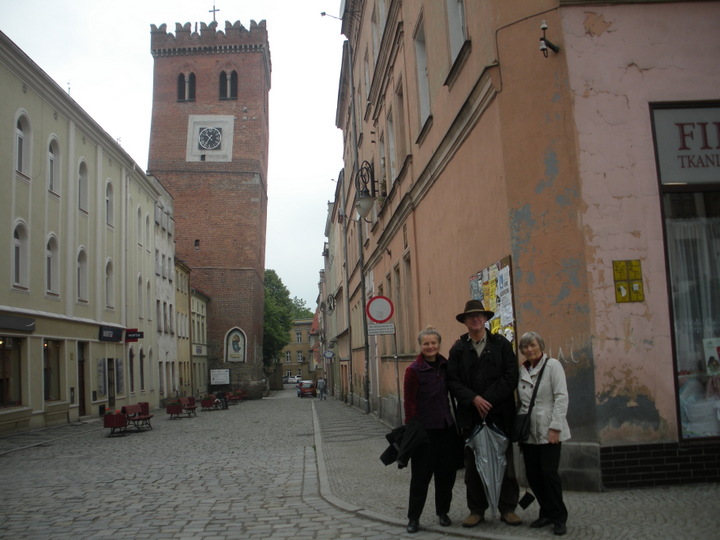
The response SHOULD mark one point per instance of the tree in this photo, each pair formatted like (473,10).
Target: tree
(300,310)
(279,310)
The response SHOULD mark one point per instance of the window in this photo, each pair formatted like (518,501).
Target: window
(53,168)
(131,368)
(51,370)
(422,74)
(147,232)
(138,225)
(148,299)
(456,27)
(22,146)
(10,373)
(391,151)
(83,187)
(140,305)
(82,277)
(228,85)
(288,357)
(52,267)
(158,315)
(401,149)
(692,225)
(142,369)
(298,336)
(186,87)
(20,261)
(109,286)
(299,357)
(109,203)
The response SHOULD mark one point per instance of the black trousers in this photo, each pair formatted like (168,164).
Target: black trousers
(542,462)
(437,458)
(509,491)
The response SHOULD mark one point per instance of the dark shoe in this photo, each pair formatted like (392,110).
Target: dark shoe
(444,520)
(511,518)
(413,526)
(473,519)
(559,529)
(541,522)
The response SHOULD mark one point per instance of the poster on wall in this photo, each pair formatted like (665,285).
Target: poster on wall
(492,286)
(219,376)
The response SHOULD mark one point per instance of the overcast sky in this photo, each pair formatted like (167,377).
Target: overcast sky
(99,51)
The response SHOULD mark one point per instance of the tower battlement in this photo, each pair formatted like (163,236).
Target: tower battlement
(209,39)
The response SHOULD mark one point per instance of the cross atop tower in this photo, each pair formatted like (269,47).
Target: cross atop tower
(213,10)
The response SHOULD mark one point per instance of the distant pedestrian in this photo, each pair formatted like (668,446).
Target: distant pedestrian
(427,403)
(548,428)
(322,387)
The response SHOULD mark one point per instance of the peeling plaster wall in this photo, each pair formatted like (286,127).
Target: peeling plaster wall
(621,58)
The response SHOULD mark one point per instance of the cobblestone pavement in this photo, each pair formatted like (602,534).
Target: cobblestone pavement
(280,467)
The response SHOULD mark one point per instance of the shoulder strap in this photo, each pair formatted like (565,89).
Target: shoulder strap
(537,385)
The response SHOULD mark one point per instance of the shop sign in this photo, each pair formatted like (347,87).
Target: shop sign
(108,333)
(23,324)
(132,335)
(687,144)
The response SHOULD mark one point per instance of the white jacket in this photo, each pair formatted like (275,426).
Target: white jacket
(551,402)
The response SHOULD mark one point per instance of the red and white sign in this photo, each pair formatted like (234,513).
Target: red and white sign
(379,309)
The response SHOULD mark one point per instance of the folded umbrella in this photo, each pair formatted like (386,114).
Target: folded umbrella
(489,444)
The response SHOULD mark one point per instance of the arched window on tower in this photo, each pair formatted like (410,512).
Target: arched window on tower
(186,87)
(191,87)
(228,85)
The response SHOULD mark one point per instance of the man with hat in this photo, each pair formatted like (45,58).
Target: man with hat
(482,377)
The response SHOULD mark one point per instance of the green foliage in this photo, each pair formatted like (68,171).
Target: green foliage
(300,310)
(279,310)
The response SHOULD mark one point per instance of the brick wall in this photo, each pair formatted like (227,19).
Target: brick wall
(220,206)
(660,464)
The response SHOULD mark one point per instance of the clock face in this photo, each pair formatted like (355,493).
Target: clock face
(209,138)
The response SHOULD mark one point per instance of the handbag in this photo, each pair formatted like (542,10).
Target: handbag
(520,430)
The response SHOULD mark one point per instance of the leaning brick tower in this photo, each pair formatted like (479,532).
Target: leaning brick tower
(209,148)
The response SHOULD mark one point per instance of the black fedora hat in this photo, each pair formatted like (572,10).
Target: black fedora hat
(474,306)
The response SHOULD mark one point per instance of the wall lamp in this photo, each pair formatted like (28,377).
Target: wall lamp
(545,43)
(365,187)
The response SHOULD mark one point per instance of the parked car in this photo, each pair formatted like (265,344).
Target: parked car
(307,388)
(293,379)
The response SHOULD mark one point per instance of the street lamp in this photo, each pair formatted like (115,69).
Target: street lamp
(365,198)
(365,189)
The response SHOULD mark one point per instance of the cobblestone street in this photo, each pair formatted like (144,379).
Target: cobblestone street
(279,467)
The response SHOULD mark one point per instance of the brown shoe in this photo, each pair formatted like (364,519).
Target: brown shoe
(511,518)
(472,520)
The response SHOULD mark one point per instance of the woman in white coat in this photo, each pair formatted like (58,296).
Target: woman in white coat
(548,428)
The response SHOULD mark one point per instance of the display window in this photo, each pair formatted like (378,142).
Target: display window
(687,143)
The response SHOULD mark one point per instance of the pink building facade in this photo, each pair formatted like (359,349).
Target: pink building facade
(577,193)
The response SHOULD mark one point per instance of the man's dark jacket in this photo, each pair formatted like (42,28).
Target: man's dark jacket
(493,376)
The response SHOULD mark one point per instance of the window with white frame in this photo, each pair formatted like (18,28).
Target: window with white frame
(298,336)
(83,187)
(20,262)
(52,267)
(82,276)
(53,167)
(288,357)
(22,146)
(109,203)
(299,356)
(148,299)
(423,80)
(391,151)
(456,26)
(139,227)
(109,286)
(140,305)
